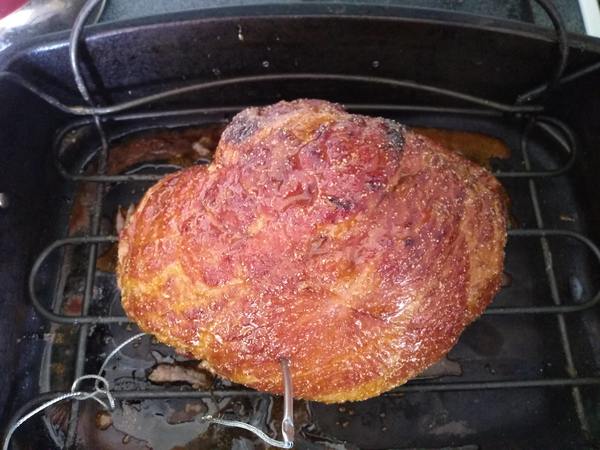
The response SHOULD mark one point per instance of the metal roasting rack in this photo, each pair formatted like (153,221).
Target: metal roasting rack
(524,109)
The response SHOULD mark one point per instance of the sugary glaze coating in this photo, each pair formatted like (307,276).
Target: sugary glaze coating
(348,244)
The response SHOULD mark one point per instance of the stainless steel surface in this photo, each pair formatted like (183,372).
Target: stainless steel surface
(37,17)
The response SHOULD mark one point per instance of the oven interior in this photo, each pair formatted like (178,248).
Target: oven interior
(525,375)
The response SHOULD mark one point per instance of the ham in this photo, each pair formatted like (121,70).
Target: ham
(353,246)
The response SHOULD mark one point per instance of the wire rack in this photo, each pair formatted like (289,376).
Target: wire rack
(554,130)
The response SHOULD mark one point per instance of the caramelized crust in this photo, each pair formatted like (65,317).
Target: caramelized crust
(351,245)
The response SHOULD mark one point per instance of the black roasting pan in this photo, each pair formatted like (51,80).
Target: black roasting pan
(528,373)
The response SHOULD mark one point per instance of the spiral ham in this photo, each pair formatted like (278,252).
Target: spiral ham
(351,245)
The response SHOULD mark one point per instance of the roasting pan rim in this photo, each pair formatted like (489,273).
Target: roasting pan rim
(414,15)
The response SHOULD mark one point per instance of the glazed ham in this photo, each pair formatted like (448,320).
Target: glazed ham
(350,245)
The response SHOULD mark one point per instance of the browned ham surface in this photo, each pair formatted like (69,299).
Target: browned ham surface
(351,245)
